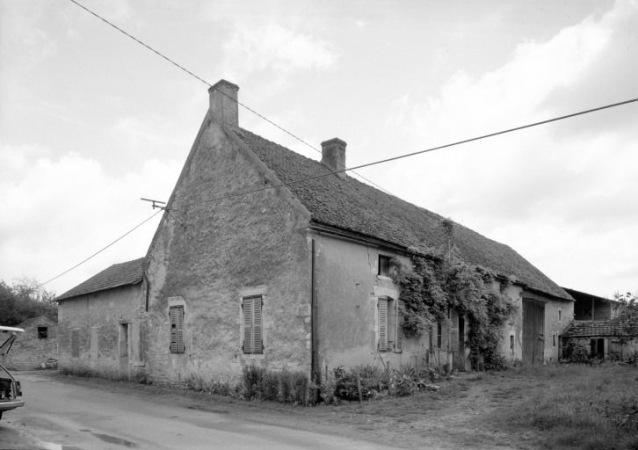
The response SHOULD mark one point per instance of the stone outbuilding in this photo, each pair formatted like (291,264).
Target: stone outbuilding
(36,348)
(101,322)
(265,257)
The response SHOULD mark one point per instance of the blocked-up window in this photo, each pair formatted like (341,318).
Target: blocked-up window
(252,312)
(390,319)
(43,332)
(75,343)
(176,316)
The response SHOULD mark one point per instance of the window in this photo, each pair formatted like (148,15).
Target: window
(176,316)
(252,309)
(553,340)
(390,318)
(43,332)
(560,314)
(439,335)
(512,343)
(384,265)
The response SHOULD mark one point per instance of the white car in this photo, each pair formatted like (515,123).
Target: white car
(10,389)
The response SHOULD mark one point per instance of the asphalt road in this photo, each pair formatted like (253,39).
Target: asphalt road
(62,415)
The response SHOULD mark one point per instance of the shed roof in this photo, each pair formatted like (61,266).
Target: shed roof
(354,206)
(118,275)
(584,296)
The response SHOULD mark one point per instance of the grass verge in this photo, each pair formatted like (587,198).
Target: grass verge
(571,406)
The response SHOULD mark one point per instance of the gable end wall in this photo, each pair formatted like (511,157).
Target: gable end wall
(215,247)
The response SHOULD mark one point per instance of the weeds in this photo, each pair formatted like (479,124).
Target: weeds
(578,407)
(284,386)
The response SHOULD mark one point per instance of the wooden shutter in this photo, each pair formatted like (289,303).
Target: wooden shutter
(176,314)
(247,307)
(253,325)
(383,324)
(257,326)
(399,331)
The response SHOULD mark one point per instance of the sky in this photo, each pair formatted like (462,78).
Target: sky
(91,121)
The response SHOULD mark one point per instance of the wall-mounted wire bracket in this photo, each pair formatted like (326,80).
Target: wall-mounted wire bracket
(161,205)
(155,203)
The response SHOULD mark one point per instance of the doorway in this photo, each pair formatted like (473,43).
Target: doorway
(533,331)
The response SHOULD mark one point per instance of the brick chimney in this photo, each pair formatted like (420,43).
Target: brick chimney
(333,155)
(223,103)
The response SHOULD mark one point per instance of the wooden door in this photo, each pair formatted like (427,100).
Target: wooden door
(533,331)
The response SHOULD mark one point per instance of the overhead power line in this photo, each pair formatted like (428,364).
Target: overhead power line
(431,149)
(102,249)
(261,116)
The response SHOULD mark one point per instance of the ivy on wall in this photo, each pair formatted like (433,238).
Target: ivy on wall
(431,285)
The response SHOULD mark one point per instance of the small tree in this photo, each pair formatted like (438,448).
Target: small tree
(24,300)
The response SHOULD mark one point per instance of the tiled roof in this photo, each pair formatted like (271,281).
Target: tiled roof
(593,328)
(35,320)
(123,274)
(354,206)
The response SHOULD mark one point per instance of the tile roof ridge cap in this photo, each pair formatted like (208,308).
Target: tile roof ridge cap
(243,130)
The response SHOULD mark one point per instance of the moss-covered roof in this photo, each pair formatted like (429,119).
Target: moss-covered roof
(118,275)
(348,204)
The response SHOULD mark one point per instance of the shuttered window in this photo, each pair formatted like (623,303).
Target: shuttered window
(383,324)
(252,309)
(390,319)
(176,315)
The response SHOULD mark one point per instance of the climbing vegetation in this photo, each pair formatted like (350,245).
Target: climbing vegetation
(432,285)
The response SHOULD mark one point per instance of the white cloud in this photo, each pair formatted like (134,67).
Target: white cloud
(567,199)
(276,50)
(65,209)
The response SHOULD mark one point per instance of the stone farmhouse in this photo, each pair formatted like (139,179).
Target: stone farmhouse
(294,275)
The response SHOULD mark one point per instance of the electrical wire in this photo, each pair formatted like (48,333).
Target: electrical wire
(209,84)
(431,149)
(102,249)
(349,169)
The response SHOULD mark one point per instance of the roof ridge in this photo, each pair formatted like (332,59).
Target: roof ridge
(352,205)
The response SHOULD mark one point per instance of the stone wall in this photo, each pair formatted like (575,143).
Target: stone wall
(214,249)
(101,333)
(36,347)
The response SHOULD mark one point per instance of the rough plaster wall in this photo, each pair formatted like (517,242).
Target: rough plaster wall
(514,326)
(347,288)
(553,326)
(29,351)
(98,316)
(225,248)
